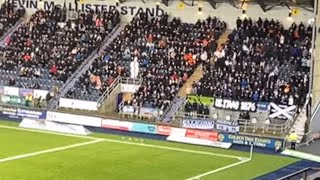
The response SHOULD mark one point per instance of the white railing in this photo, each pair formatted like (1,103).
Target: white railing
(128,80)
(108,91)
(120,80)
(120,106)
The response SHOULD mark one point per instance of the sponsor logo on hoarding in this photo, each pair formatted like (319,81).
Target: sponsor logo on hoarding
(164,130)
(250,140)
(213,136)
(19,113)
(144,128)
(115,124)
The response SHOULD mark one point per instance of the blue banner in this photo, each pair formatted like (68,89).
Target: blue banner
(248,140)
(198,124)
(144,128)
(263,106)
(8,113)
(19,113)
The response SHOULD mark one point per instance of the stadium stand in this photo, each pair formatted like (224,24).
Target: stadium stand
(261,61)
(163,53)
(44,52)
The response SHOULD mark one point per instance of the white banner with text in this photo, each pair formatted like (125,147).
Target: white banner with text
(74,119)
(129,88)
(78,104)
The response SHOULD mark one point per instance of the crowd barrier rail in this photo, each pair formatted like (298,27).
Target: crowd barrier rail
(245,125)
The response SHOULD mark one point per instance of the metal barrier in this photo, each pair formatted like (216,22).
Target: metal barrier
(302,174)
(119,80)
(125,115)
(309,138)
(128,80)
(108,91)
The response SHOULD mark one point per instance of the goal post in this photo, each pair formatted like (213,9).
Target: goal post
(251,151)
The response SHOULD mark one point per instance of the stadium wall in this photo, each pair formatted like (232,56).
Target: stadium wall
(130,8)
(143,130)
(239,142)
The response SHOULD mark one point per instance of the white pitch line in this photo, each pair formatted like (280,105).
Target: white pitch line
(49,150)
(177,149)
(131,143)
(48,132)
(218,170)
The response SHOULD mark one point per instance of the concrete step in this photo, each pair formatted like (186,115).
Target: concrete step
(174,108)
(198,73)
(187,87)
(224,37)
(127,96)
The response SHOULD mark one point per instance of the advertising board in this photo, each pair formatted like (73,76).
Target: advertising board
(19,113)
(78,104)
(74,119)
(116,124)
(209,135)
(248,140)
(144,128)
(164,130)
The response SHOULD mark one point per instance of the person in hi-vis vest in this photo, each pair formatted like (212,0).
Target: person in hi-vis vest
(293,138)
(134,68)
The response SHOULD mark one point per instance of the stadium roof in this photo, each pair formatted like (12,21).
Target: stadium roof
(266,5)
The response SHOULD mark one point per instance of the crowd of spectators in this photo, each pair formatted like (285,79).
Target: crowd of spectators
(196,108)
(161,52)
(46,50)
(261,61)
(9,16)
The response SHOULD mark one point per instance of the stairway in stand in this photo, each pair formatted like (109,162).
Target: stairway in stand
(173,108)
(224,37)
(187,87)
(11,31)
(198,73)
(299,125)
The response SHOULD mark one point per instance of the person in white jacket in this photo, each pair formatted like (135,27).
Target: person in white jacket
(134,68)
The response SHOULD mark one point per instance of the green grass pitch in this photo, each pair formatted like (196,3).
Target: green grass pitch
(28,155)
